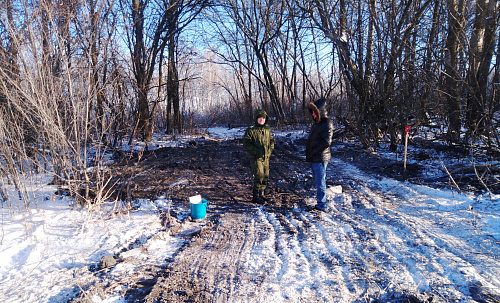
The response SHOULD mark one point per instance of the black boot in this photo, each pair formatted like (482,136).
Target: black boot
(256,197)
(262,195)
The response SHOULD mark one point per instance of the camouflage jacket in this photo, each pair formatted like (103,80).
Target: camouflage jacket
(258,139)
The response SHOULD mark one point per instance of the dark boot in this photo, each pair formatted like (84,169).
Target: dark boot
(256,197)
(262,195)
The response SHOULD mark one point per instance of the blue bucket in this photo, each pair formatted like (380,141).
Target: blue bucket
(199,210)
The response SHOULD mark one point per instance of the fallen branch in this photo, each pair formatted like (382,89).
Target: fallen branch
(449,175)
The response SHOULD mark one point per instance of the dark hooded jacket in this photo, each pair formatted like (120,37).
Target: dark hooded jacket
(258,140)
(320,137)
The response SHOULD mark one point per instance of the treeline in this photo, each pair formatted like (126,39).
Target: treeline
(101,72)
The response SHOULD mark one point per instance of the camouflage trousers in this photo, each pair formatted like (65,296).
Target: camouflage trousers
(260,171)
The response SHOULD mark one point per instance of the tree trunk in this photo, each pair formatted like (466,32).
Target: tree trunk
(481,51)
(143,124)
(94,55)
(173,85)
(364,98)
(495,98)
(428,62)
(455,8)
(486,55)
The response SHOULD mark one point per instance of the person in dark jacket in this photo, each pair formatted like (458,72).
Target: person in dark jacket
(318,149)
(259,143)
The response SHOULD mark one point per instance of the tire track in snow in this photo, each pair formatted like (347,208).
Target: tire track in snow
(324,256)
(210,267)
(299,275)
(390,253)
(427,253)
(350,243)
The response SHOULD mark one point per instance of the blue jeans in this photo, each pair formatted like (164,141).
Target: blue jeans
(319,174)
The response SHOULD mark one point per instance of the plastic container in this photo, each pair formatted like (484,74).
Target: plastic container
(198,208)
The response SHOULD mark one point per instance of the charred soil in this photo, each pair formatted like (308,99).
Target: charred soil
(219,170)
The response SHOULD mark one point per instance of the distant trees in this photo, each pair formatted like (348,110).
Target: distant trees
(250,31)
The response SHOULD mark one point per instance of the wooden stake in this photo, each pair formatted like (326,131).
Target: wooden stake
(407,129)
(406,150)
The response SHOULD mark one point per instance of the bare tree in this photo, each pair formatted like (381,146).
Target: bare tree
(482,45)
(455,29)
(154,26)
(401,20)
(260,22)
(429,72)
(51,99)
(232,48)
(100,12)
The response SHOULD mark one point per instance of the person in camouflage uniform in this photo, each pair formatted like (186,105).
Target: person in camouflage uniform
(259,143)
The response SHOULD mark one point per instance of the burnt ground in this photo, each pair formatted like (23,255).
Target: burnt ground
(219,170)
(213,263)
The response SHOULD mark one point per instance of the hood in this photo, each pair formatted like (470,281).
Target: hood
(260,112)
(319,107)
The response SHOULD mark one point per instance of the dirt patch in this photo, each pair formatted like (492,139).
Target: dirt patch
(219,170)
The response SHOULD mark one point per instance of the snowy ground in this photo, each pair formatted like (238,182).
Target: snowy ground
(427,240)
